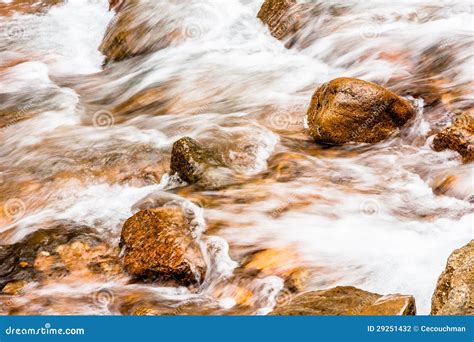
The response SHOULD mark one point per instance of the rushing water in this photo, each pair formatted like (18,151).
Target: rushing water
(359,215)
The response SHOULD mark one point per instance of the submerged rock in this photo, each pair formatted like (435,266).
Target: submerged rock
(285,263)
(458,137)
(454,293)
(141,27)
(129,35)
(351,110)
(298,24)
(39,254)
(455,182)
(192,161)
(345,300)
(159,245)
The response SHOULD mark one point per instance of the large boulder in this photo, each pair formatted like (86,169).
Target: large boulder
(346,300)
(458,137)
(192,161)
(159,245)
(454,293)
(348,110)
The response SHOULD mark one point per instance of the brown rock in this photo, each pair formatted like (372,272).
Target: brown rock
(159,245)
(116,5)
(15,288)
(344,300)
(350,110)
(130,33)
(454,293)
(458,137)
(278,17)
(296,23)
(36,257)
(454,182)
(283,262)
(190,160)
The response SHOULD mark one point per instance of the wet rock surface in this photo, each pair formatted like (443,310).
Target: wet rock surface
(131,33)
(159,246)
(454,293)
(63,248)
(192,161)
(348,110)
(276,14)
(296,24)
(346,301)
(455,183)
(86,143)
(458,137)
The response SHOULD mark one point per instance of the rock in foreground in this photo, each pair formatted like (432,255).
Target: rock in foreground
(351,110)
(65,248)
(345,300)
(458,137)
(159,245)
(454,293)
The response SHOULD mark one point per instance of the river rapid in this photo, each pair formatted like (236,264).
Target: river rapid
(359,215)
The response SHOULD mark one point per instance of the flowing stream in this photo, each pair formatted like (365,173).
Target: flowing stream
(365,216)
